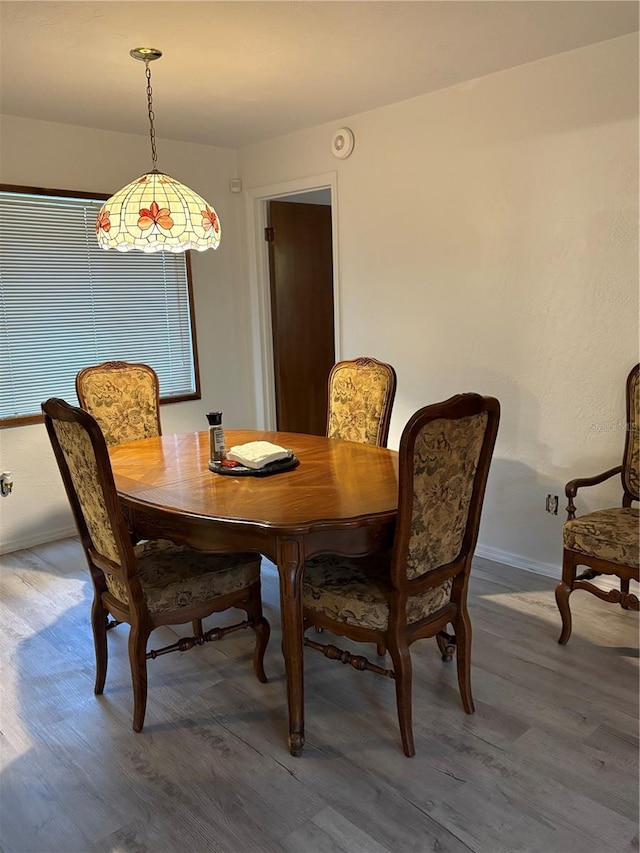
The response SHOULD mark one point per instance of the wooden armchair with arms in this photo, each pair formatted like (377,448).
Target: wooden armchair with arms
(361,394)
(605,541)
(154,582)
(396,598)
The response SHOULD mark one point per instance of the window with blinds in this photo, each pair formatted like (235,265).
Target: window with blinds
(65,304)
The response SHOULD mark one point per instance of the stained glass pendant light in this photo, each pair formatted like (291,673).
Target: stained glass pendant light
(156,213)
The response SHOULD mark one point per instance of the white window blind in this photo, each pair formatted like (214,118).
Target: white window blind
(66,303)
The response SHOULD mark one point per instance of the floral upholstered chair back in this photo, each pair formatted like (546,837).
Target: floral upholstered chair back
(445,454)
(361,394)
(123,398)
(83,460)
(631,460)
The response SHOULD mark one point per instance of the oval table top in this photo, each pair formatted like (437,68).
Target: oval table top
(336,483)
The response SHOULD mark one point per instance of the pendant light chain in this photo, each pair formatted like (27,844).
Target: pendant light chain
(152,131)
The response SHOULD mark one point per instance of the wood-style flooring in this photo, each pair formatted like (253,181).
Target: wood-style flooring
(547,764)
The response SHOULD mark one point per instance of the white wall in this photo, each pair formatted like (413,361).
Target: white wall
(45,154)
(488,242)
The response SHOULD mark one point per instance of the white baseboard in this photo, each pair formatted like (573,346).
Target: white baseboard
(519,562)
(495,554)
(39,538)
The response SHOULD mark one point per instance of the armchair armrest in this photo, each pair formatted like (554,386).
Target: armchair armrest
(571,489)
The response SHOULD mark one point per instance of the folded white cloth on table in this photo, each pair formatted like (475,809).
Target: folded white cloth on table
(257,454)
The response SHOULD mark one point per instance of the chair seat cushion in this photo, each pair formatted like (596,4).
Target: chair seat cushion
(609,534)
(174,576)
(357,593)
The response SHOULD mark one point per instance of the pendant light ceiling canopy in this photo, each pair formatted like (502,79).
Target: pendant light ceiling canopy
(156,213)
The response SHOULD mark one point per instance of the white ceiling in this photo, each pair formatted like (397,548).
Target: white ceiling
(234,73)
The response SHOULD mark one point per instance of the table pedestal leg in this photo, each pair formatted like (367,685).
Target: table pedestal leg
(290,569)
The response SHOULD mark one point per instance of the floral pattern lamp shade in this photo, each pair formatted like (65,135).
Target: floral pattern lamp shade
(156,213)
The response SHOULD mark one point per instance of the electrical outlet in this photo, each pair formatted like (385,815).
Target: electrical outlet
(6,484)
(551,504)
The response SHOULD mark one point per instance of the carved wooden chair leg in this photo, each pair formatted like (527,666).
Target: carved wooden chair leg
(262,631)
(381,649)
(138,637)
(624,591)
(403,675)
(99,619)
(196,627)
(446,644)
(462,628)
(562,600)
(563,591)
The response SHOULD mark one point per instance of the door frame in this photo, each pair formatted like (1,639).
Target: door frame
(256,207)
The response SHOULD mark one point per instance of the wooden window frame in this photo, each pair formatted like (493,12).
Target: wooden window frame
(23,420)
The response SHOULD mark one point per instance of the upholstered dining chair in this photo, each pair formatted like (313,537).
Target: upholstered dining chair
(414,591)
(124,399)
(361,394)
(605,542)
(150,584)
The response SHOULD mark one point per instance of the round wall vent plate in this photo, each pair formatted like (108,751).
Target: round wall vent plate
(342,143)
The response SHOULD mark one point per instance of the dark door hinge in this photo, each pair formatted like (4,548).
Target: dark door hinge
(269,234)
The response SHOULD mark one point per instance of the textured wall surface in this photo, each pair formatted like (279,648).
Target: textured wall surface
(488,242)
(59,156)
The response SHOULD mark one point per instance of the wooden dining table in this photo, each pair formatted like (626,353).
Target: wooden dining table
(341,499)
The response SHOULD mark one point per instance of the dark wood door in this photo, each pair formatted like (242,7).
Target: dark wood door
(301,276)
